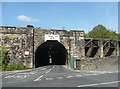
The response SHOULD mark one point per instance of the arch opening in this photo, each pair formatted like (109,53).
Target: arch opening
(50,53)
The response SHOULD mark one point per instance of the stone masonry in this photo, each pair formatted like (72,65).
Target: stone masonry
(22,42)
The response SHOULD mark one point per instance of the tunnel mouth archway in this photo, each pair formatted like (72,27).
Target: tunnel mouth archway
(50,52)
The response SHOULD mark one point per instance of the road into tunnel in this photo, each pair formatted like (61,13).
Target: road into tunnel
(50,53)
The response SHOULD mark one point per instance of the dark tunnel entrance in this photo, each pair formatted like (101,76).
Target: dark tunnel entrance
(50,53)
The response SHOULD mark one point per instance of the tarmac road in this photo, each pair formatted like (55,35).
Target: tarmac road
(59,76)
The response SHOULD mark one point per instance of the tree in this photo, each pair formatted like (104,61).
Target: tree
(101,32)
(118,36)
(113,35)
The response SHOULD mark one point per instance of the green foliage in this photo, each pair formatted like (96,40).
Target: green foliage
(3,56)
(4,66)
(98,32)
(119,36)
(13,67)
(101,32)
(113,35)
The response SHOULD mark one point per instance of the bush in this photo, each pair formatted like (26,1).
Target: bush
(4,67)
(20,67)
(3,56)
(12,67)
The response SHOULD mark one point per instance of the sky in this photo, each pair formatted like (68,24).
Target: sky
(56,15)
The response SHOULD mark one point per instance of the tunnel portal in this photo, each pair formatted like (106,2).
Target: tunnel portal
(50,53)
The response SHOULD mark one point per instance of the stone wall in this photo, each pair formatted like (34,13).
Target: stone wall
(22,42)
(70,39)
(17,41)
(101,64)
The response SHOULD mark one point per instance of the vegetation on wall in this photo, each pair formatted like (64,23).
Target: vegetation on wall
(3,56)
(4,62)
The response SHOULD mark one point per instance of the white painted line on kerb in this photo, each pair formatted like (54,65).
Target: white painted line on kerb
(38,78)
(98,84)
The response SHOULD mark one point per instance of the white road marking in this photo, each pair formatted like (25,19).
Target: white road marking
(48,71)
(43,69)
(56,74)
(19,76)
(98,84)
(25,76)
(39,78)
(103,72)
(8,76)
(95,74)
(69,76)
(78,75)
(49,78)
(43,75)
(88,74)
(59,77)
(53,67)
(24,73)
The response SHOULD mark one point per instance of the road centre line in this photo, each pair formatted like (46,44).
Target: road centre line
(50,69)
(43,75)
(39,78)
(98,84)
(53,67)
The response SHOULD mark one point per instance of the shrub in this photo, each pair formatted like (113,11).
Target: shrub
(3,56)
(12,67)
(20,67)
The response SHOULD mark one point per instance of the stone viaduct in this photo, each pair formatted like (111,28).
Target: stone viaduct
(36,47)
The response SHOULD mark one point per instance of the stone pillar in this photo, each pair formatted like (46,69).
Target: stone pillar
(82,48)
(118,49)
(101,49)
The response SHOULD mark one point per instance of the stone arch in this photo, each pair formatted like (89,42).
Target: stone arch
(50,53)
